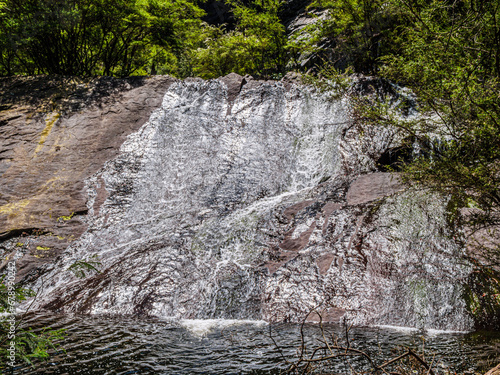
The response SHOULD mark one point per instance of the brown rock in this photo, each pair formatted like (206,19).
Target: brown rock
(369,187)
(283,258)
(52,139)
(234,83)
(324,262)
(296,244)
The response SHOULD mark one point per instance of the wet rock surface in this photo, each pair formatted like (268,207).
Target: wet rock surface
(55,133)
(230,198)
(248,199)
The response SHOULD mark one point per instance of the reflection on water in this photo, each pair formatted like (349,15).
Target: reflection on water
(97,345)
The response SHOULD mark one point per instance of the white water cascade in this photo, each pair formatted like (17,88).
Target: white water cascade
(264,205)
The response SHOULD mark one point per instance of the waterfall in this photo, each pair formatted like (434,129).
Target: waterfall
(264,204)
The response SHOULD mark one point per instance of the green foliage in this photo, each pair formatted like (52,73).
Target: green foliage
(330,80)
(32,345)
(88,37)
(449,55)
(451,59)
(359,31)
(81,267)
(29,345)
(20,295)
(256,46)
(139,37)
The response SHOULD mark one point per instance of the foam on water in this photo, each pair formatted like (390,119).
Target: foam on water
(436,332)
(408,330)
(427,331)
(202,327)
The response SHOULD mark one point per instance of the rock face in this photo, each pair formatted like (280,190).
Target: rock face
(260,200)
(57,132)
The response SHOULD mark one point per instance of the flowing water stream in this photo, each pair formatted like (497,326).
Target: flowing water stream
(261,205)
(97,345)
(228,217)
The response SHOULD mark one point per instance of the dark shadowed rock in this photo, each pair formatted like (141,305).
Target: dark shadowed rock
(218,13)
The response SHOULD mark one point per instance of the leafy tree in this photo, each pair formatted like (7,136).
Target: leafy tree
(448,53)
(88,37)
(358,32)
(174,28)
(256,46)
(450,57)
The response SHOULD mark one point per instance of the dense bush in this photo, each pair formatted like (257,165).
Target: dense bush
(256,46)
(138,37)
(89,37)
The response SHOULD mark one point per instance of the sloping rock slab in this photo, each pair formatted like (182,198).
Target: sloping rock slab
(55,132)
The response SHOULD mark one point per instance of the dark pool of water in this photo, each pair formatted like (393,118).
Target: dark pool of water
(97,345)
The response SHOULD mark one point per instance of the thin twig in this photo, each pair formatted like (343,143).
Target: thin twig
(422,362)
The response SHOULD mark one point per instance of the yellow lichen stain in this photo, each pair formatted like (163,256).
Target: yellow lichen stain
(16,211)
(42,248)
(65,218)
(50,120)
(50,183)
(14,207)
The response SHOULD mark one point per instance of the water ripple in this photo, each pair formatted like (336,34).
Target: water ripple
(99,345)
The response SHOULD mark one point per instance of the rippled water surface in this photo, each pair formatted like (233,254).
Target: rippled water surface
(97,345)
